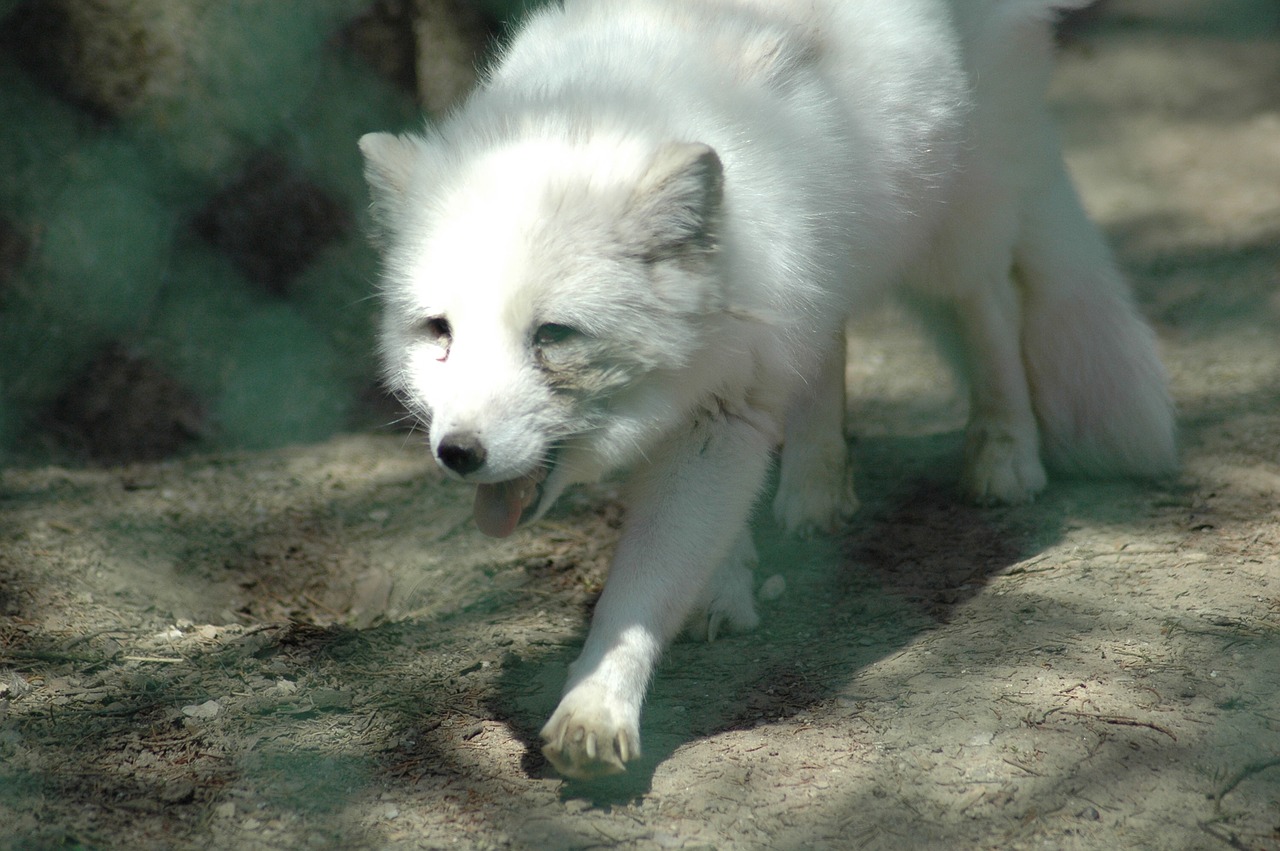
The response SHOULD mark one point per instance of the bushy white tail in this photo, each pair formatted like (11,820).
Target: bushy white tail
(1097,385)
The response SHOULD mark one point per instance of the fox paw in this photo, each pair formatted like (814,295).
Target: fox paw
(1001,466)
(591,735)
(814,501)
(727,603)
(728,606)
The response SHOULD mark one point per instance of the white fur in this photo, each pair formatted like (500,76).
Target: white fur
(637,245)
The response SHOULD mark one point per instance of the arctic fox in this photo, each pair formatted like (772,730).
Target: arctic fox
(637,245)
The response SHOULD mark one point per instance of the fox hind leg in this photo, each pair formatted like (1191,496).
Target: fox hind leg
(968,297)
(815,484)
(1002,447)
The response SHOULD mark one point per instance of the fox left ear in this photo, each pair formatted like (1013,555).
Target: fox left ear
(675,209)
(389,162)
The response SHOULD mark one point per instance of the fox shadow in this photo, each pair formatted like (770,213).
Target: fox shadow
(914,553)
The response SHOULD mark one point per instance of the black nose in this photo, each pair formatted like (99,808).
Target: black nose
(462,452)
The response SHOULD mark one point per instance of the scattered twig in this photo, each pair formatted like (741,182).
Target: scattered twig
(1021,767)
(80,639)
(51,656)
(1121,721)
(1222,834)
(160,659)
(1245,773)
(261,627)
(319,605)
(1028,568)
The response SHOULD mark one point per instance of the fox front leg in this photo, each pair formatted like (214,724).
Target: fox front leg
(687,510)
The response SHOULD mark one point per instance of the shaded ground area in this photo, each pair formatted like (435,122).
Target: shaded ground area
(313,647)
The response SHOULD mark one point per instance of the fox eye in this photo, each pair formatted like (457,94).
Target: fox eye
(438,333)
(552,333)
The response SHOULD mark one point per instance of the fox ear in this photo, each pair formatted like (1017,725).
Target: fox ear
(389,162)
(675,209)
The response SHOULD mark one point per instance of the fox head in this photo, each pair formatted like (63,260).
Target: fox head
(532,291)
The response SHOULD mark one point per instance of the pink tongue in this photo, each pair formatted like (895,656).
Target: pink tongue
(498,508)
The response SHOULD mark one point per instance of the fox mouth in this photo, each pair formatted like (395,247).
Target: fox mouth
(501,507)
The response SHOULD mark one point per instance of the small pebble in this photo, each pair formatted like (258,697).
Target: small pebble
(773,588)
(206,710)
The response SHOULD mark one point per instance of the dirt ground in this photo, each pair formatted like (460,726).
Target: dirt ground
(314,648)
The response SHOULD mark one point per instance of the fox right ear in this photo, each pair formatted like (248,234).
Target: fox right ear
(389,163)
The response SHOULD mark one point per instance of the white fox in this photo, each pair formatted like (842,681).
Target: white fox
(636,248)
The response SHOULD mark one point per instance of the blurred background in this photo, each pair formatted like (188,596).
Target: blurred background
(183,263)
